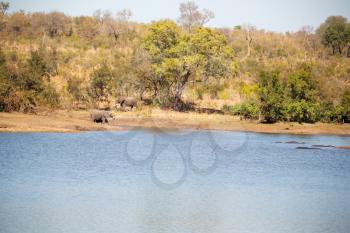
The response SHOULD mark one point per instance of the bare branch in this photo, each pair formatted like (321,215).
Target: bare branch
(192,17)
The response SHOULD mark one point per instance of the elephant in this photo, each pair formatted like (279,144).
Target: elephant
(100,116)
(127,102)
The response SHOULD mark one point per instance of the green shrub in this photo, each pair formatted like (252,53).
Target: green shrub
(49,97)
(23,86)
(301,111)
(100,83)
(75,89)
(214,89)
(329,112)
(271,95)
(200,92)
(248,110)
(345,105)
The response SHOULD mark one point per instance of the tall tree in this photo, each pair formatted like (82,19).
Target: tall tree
(58,24)
(100,83)
(86,27)
(348,38)
(18,23)
(334,33)
(249,32)
(270,93)
(301,101)
(179,59)
(4,6)
(191,16)
(114,26)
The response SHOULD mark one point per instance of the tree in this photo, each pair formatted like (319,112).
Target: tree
(38,24)
(217,56)
(115,27)
(36,82)
(192,17)
(301,111)
(122,23)
(249,36)
(162,38)
(141,63)
(124,15)
(75,88)
(347,34)
(178,59)
(86,27)
(4,83)
(309,40)
(270,93)
(335,33)
(4,6)
(58,24)
(100,83)
(301,86)
(18,22)
(24,87)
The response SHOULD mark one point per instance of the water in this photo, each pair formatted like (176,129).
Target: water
(172,182)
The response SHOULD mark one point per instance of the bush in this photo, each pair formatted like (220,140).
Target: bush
(75,88)
(301,111)
(100,84)
(248,110)
(49,97)
(23,87)
(271,95)
(21,101)
(345,105)
(329,112)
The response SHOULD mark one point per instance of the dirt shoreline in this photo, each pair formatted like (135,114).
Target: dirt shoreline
(79,121)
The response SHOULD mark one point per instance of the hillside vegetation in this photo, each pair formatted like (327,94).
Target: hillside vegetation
(54,61)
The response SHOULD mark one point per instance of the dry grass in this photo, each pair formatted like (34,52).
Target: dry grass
(75,121)
(60,121)
(176,120)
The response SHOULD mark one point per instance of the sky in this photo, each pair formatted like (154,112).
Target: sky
(272,15)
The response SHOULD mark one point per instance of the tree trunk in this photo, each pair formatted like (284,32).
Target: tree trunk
(348,53)
(249,40)
(340,50)
(180,86)
(141,94)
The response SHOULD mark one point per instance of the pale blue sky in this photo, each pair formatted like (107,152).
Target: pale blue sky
(275,15)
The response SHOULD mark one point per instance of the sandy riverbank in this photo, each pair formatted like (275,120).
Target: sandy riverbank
(77,121)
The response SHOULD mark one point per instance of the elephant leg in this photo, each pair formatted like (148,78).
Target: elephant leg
(122,104)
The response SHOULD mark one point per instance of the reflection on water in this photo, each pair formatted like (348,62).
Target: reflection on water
(157,182)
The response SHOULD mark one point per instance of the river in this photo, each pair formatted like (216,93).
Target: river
(189,181)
